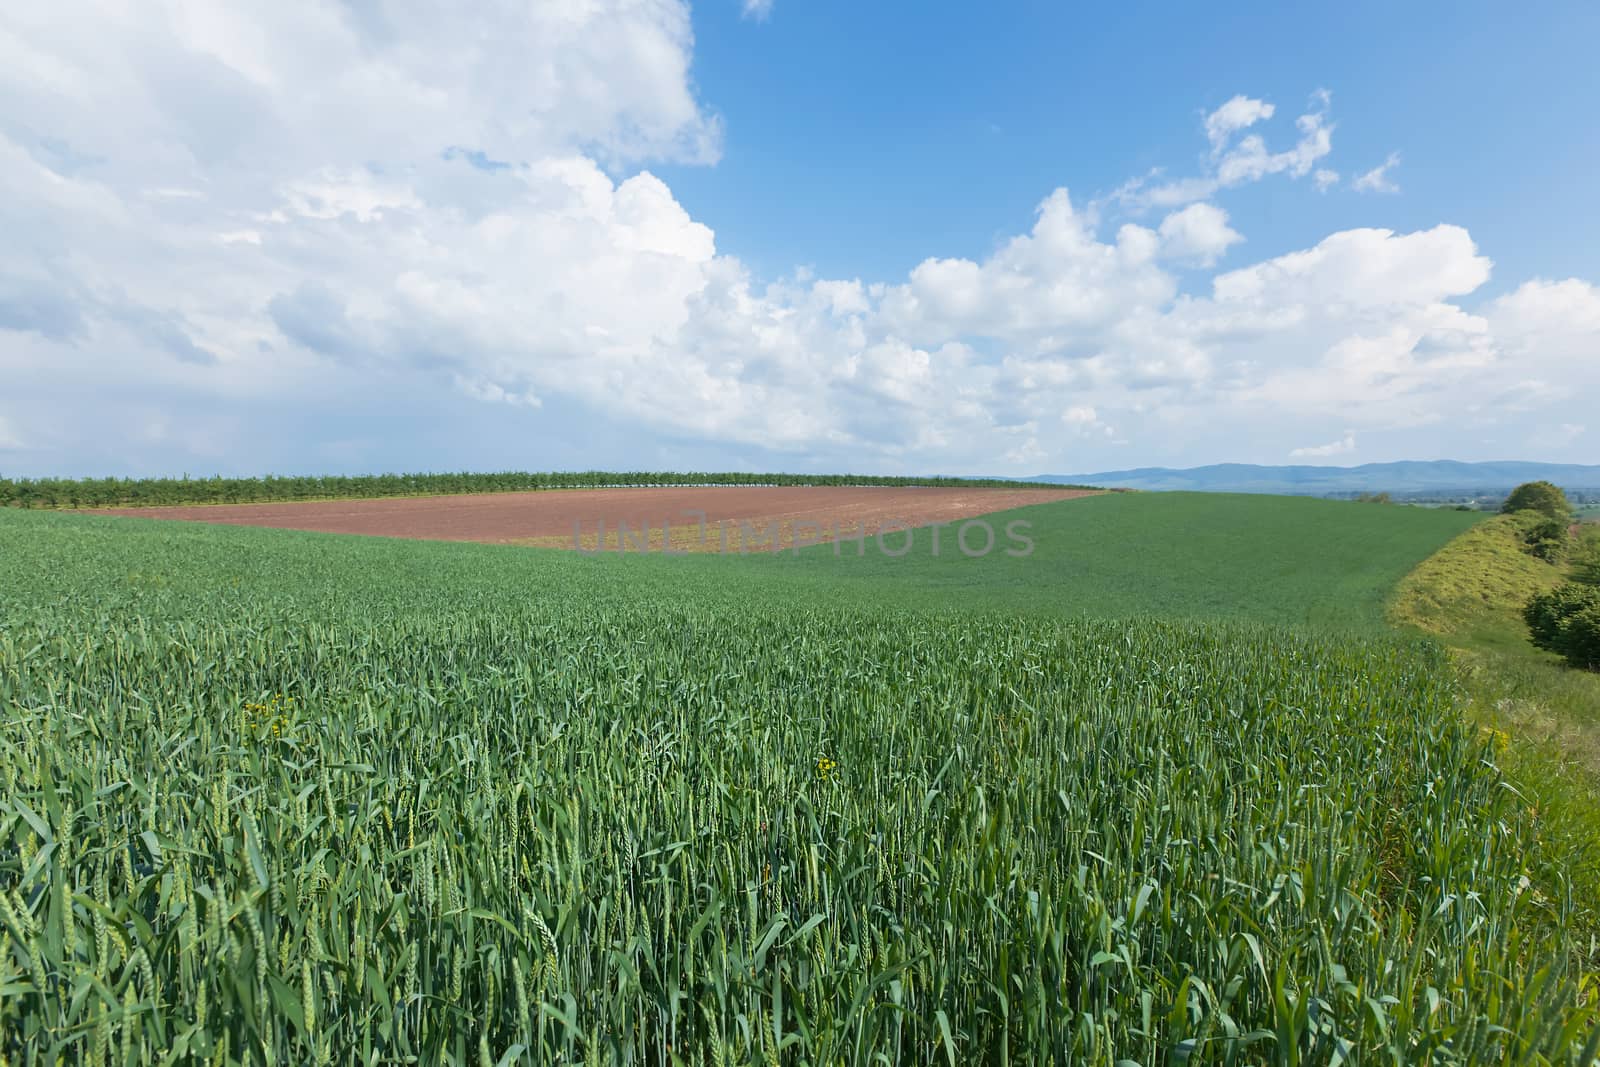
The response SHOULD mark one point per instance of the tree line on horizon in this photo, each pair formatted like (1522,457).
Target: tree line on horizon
(137,492)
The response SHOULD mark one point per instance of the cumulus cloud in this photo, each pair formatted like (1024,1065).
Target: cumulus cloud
(1198,233)
(348,220)
(1562,315)
(1549,331)
(1058,278)
(1084,421)
(1362,269)
(1347,443)
(1377,179)
(1362,328)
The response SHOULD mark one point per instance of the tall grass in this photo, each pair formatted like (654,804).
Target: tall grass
(287,812)
(1470,595)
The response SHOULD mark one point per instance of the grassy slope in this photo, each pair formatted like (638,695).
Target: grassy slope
(1470,595)
(1474,588)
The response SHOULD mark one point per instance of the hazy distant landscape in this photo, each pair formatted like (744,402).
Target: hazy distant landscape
(1437,479)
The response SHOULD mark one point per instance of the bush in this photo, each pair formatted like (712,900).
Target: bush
(1586,557)
(1543,497)
(1566,621)
(1547,539)
(1583,639)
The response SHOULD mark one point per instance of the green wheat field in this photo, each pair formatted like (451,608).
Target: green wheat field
(1166,792)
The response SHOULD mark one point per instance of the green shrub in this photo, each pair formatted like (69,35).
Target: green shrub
(1586,557)
(1582,646)
(1566,621)
(1548,540)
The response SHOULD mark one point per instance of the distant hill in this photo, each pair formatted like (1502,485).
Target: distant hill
(1417,478)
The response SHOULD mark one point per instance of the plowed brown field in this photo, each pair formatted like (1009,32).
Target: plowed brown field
(551,517)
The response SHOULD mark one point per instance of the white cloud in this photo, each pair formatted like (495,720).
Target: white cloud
(1237,114)
(360,194)
(1026,453)
(1347,443)
(756,9)
(1550,332)
(1056,279)
(1362,269)
(1198,233)
(1084,421)
(1238,162)
(495,393)
(448,211)
(1324,179)
(1361,328)
(1564,314)
(1377,179)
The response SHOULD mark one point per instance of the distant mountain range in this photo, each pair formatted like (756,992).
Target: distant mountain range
(1433,478)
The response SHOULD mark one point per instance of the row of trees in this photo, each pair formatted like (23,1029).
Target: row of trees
(1565,620)
(135,492)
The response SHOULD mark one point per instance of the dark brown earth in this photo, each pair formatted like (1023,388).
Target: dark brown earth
(550,516)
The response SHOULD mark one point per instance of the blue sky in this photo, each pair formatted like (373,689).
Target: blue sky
(1018,238)
(861,140)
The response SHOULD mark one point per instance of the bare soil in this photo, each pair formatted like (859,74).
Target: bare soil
(553,516)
